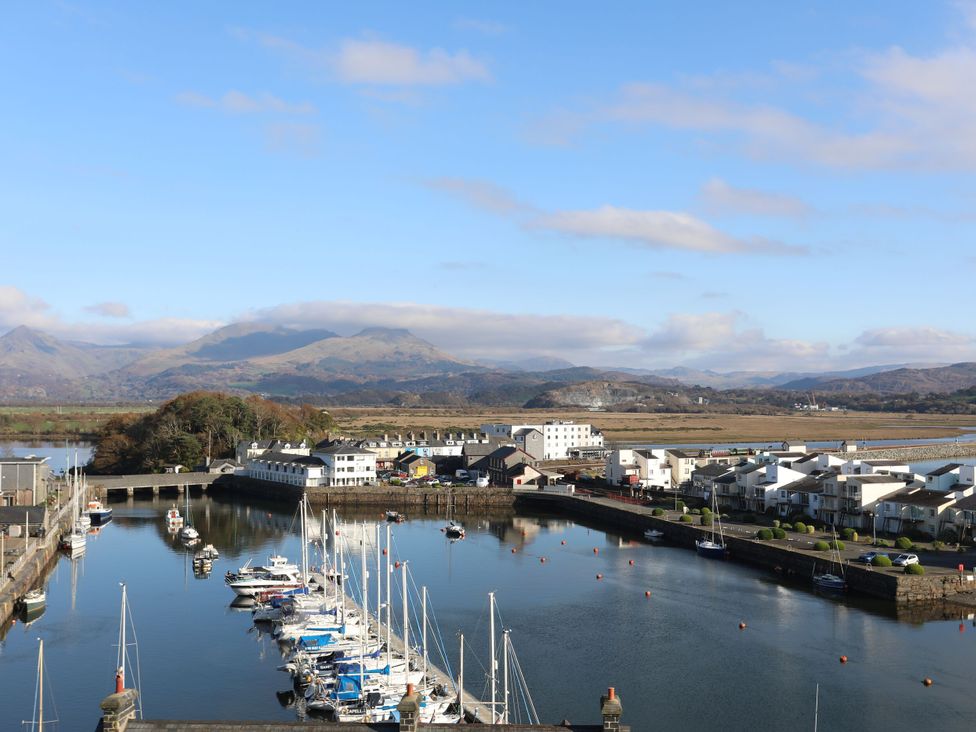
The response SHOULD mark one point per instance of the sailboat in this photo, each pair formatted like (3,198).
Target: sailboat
(454,530)
(74,541)
(828,580)
(710,547)
(189,534)
(37,723)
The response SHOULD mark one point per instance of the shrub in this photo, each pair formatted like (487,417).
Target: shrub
(657,512)
(938,545)
(695,511)
(786,527)
(904,543)
(764,534)
(880,561)
(810,530)
(800,527)
(837,544)
(680,505)
(775,523)
(705,520)
(705,511)
(685,518)
(821,546)
(778,533)
(848,534)
(914,569)
(884,543)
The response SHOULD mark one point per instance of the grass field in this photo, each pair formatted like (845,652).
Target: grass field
(60,422)
(672,428)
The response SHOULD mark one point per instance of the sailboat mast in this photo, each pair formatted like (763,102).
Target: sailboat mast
(335,560)
(341,592)
(120,673)
(491,651)
(389,603)
(363,629)
(304,543)
(40,683)
(406,619)
(461,680)
(505,642)
(424,634)
(379,586)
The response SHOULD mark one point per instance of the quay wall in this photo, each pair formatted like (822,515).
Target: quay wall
(915,454)
(462,498)
(782,559)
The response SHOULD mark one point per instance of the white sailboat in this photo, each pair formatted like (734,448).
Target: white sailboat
(828,580)
(189,534)
(714,546)
(74,542)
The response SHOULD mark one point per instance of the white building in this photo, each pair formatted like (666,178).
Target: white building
(247,449)
(301,470)
(558,436)
(347,465)
(643,468)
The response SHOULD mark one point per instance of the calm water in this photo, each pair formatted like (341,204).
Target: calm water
(574,635)
(54,451)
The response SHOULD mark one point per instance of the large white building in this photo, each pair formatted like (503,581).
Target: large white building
(347,465)
(336,465)
(643,468)
(559,437)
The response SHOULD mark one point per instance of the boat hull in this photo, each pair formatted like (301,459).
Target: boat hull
(830,583)
(710,550)
(100,518)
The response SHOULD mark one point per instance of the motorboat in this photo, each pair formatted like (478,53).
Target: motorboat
(395,516)
(34,599)
(99,513)
(454,530)
(189,534)
(828,581)
(208,552)
(173,517)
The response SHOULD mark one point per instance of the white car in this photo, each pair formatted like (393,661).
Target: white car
(903,560)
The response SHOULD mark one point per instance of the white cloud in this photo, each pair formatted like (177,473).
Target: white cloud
(19,308)
(236,102)
(719,198)
(110,309)
(657,230)
(373,61)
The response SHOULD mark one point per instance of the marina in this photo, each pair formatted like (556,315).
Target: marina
(792,641)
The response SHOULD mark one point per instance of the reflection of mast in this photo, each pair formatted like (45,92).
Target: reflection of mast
(74,581)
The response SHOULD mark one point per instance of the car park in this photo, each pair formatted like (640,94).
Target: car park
(903,560)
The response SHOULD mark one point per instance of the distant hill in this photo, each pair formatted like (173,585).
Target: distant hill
(939,380)
(771,379)
(611,395)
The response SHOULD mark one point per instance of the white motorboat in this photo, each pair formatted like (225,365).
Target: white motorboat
(454,530)
(173,517)
(209,552)
(99,513)
(34,599)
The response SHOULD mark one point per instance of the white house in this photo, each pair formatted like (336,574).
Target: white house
(765,485)
(347,464)
(301,470)
(643,468)
(558,436)
(943,478)
(852,500)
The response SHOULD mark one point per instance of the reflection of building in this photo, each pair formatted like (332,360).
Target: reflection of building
(23,480)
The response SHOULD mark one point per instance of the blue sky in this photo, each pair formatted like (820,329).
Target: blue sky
(732,186)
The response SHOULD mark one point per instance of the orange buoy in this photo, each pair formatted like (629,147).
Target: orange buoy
(927,681)
(843,659)
(631,562)
(742,626)
(595,550)
(599,576)
(647,593)
(563,542)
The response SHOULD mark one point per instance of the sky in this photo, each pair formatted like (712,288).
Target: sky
(731,186)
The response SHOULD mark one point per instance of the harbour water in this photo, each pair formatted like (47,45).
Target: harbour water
(677,658)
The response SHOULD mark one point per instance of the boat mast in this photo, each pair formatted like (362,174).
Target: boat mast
(461,679)
(424,634)
(40,683)
(406,619)
(363,629)
(341,592)
(120,673)
(335,560)
(379,586)
(389,604)
(505,642)
(491,650)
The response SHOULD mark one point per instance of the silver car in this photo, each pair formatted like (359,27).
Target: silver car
(903,560)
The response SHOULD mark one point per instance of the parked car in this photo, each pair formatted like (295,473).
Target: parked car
(903,560)
(868,557)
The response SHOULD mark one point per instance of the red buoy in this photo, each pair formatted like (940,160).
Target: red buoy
(631,562)
(843,659)
(563,542)
(513,550)
(384,551)
(927,681)
(742,626)
(647,593)
(542,560)
(962,628)
(396,564)
(599,576)
(595,550)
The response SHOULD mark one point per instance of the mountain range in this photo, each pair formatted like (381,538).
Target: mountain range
(392,366)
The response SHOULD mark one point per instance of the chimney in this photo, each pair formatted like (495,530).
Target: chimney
(610,710)
(386,437)
(409,709)
(118,709)
(423,435)
(399,437)
(437,435)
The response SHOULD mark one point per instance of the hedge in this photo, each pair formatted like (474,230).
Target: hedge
(800,527)
(705,520)
(679,505)
(685,518)
(914,569)
(778,533)
(705,511)
(764,534)
(904,543)
(821,546)
(881,561)
(657,512)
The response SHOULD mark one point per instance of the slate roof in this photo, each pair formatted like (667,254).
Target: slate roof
(750,468)
(344,449)
(32,460)
(876,479)
(966,504)
(804,485)
(944,469)
(18,514)
(931,499)
(712,470)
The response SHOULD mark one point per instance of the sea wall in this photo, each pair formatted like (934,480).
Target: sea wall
(941,451)
(785,560)
(462,498)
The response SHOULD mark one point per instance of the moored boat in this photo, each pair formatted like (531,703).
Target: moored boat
(99,513)
(34,599)
(653,534)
